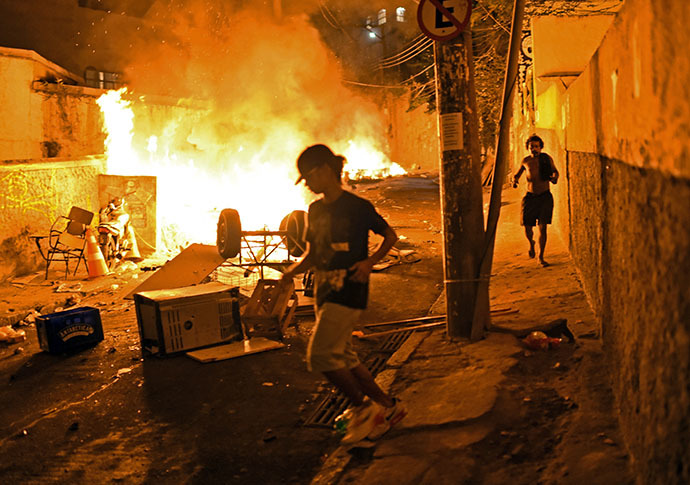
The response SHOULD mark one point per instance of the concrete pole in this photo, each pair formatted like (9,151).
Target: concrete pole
(461,191)
(502,149)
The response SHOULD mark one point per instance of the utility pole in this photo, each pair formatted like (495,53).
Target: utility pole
(461,191)
(502,150)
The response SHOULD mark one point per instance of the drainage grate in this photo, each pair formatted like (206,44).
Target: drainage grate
(395,341)
(335,403)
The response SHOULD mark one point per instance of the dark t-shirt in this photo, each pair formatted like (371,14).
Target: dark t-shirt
(338,234)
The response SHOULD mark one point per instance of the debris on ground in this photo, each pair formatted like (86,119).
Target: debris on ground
(397,256)
(541,341)
(29,319)
(69,287)
(10,335)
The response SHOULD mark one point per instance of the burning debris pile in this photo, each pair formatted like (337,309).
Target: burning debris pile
(242,96)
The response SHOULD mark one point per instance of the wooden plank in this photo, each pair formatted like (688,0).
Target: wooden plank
(409,320)
(498,311)
(188,268)
(398,330)
(235,349)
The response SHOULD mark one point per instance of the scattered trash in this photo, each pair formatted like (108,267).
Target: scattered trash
(10,335)
(114,286)
(18,350)
(69,288)
(149,268)
(541,341)
(397,256)
(74,426)
(70,330)
(560,328)
(124,370)
(112,350)
(269,435)
(610,442)
(30,318)
(73,300)
(267,384)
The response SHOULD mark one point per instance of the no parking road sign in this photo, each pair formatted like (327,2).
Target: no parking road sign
(443,19)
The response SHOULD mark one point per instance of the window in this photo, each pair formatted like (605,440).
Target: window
(382,16)
(102,79)
(400,14)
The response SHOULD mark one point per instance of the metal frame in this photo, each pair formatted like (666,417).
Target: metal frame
(260,246)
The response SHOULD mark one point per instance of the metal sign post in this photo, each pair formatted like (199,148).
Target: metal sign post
(461,192)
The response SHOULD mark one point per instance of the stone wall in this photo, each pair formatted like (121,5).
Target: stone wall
(622,130)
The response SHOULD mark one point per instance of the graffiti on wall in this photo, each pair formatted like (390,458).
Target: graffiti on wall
(22,197)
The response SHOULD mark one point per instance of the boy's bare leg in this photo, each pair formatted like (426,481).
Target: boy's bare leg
(345,380)
(542,244)
(368,385)
(529,232)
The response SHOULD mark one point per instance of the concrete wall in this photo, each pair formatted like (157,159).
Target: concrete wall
(413,135)
(566,54)
(32,196)
(623,136)
(40,119)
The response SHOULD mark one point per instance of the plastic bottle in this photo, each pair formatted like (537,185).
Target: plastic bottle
(342,421)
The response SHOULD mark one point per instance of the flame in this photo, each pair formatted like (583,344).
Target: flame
(228,110)
(365,161)
(258,182)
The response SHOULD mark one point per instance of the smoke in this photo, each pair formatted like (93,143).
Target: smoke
(246,92)
(267,82)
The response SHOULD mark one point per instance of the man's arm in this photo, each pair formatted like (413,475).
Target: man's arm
(516,177)
(554,172)
(300,266)
(362,269)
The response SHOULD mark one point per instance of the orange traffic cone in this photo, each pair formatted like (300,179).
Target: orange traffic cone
(95,262)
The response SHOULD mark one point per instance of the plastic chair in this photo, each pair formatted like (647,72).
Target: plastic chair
(66,240)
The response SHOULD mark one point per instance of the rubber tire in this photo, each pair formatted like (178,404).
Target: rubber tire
(295,223)
(229,233)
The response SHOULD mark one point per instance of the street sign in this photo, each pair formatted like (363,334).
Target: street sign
(443,19)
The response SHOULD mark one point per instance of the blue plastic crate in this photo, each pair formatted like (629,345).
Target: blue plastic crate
(70,330)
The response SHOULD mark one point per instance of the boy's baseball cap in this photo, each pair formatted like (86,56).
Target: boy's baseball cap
(313,157)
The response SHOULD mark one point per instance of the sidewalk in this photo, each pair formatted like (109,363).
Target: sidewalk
(492,411)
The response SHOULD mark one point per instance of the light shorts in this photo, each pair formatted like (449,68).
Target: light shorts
(330,346)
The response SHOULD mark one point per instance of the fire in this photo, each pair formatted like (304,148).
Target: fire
(364,161)
(233,97)
(256,180)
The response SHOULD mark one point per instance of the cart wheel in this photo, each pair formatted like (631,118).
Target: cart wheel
(295,223)
(229,236)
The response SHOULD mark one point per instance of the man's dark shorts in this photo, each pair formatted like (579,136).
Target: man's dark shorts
(537,207)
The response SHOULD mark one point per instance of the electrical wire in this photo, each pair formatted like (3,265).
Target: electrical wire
(418,74)
(409,56)
(493,18)
(422,46)
(421,38)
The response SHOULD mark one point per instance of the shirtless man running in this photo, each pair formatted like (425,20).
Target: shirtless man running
(537,204)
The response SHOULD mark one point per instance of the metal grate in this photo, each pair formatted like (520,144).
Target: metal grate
(335,402)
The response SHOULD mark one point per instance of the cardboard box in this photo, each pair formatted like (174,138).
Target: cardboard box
(181,319)
(70,330)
